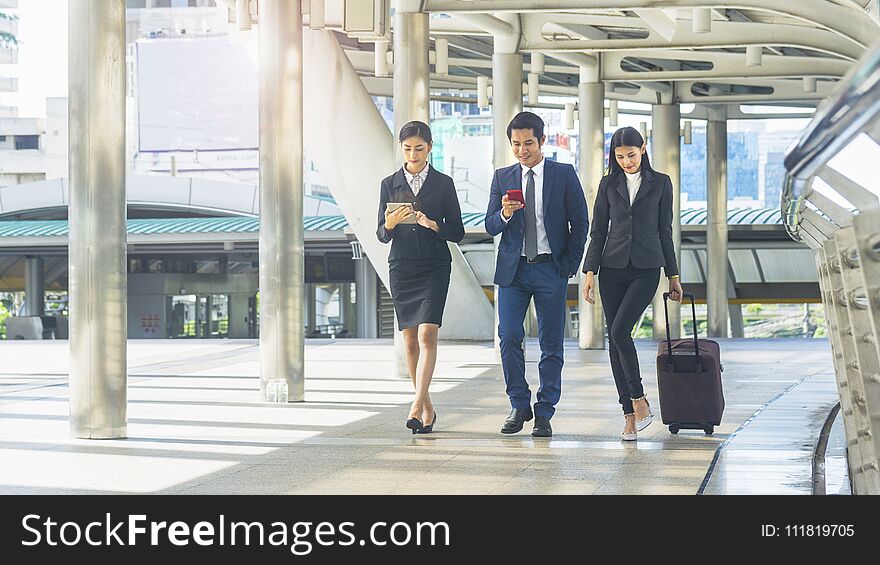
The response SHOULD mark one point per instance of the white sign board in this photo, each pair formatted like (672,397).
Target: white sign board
(199,93)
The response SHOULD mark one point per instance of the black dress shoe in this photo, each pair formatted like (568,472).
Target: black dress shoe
(514,422)
(429,428)
(542,427)
(414,424)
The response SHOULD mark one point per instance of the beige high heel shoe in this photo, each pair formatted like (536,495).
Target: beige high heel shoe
(646,421)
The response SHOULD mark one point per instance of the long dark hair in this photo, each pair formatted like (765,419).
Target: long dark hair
(626,137)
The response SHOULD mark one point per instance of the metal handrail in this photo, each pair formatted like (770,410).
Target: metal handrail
(854,107)
(844,239)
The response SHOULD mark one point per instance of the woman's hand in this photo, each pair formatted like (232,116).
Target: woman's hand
(423,220)
(675,290)
(395,217)
(589,286)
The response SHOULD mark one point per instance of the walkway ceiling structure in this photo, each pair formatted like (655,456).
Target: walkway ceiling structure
(766,52)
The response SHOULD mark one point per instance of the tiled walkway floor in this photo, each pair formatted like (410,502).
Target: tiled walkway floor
(197,424)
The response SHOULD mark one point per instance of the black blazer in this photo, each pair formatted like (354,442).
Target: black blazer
(438,200)
(641,233)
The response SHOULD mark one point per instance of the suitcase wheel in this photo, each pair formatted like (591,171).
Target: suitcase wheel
(673,428)
(709,430)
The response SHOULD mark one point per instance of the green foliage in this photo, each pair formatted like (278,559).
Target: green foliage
(4,313)
(754,309)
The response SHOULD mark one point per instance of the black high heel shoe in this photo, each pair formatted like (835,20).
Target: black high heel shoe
(414,424)
(429,428)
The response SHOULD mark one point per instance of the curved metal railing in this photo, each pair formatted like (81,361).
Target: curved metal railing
(838,121)
(839,219)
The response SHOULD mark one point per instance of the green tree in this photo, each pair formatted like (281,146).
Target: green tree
(4,313)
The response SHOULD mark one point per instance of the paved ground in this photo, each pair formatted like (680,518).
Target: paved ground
(197,424)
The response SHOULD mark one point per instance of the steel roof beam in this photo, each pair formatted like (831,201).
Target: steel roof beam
(724,34)
(845,21)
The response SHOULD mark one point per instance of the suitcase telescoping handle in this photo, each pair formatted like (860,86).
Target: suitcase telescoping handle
(699,366)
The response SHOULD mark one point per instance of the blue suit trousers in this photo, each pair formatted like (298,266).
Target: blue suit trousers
(543,283)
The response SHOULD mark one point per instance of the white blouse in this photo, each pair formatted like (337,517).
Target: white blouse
(633,182)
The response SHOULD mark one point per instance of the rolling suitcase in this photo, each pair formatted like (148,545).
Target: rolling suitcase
(689,379)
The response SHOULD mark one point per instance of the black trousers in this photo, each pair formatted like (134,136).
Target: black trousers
(625,295)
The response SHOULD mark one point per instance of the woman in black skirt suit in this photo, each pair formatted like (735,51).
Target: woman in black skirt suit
(419,262)
(636,201)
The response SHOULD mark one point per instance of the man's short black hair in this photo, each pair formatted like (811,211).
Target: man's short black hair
(527,120)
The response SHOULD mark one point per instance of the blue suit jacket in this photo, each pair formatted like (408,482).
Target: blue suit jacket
(566,220)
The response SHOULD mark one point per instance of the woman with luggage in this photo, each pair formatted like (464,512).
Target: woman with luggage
(631,238)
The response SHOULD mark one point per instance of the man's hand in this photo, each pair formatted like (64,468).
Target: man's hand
(508,207)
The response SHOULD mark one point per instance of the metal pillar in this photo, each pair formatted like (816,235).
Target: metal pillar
(666,158)
(282,345)
(507,102)
(716,226)
(98,326)
(861,273)
(411,89)
(591,154)
(862,362)
(367,289)
(829,282)
(33,286)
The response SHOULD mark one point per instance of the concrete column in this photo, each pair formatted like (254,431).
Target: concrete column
(411,71)
(666,158)
(347,307)
(716,226)
(737,328)
(199,317)
(411,102)
(591,155)
(97,219)
(311,308)
(282,345)
(367,290)
(507,102)
(34,286)
(209,315)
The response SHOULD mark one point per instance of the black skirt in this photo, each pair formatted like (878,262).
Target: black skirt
(419,289)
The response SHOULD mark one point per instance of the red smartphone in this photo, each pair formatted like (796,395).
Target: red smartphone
(516,194)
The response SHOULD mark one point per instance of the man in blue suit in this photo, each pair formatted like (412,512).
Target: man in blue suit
(542,243)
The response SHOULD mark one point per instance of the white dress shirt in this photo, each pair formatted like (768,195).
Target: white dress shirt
(423,174)
(543,242)
(633,182)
